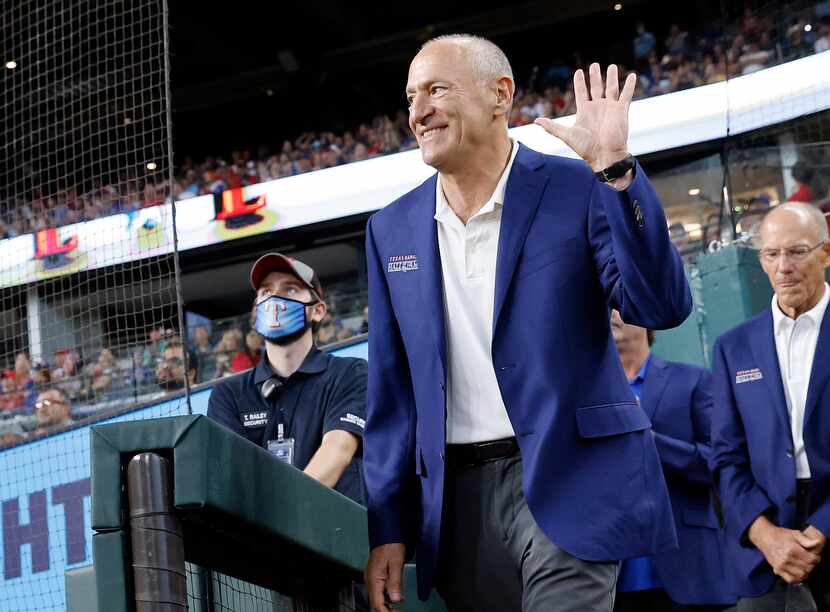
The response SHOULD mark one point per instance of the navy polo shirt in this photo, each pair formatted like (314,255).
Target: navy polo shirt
(326,393)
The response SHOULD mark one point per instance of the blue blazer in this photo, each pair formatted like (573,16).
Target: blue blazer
(752,453)
(568,249)
(678,399)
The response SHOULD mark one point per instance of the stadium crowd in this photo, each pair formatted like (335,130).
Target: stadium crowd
(49,395)
(682,60)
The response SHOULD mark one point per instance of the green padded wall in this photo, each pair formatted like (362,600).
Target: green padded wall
(684,343)
(113,571)
(734,289)
(226,488)
(728,287)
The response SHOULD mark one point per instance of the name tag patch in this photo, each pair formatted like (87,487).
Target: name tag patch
(402,263)
(254,419)
(742,376)
(354,420)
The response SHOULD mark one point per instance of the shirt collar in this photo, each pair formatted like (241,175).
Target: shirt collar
(444,213)
(315,362)
(640,376)
(815,314)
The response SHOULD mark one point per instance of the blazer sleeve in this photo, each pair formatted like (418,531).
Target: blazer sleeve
(389,438)
(742,498)
(640,270)
(691,460)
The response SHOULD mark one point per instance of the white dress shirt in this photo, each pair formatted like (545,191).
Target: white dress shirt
(475,409)
(795,343)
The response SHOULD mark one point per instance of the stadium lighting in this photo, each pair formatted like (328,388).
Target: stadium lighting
(618,7)
(11,65)
(694,191)
(269,92)
(808,28)
(152,165)
(693,230)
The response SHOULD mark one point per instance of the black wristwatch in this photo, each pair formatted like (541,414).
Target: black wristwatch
(616,170)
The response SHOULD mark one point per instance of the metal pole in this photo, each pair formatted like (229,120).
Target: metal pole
(157,544)
(34,324)
(171,178)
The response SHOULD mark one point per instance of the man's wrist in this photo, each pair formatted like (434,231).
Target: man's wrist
(758,531)
(622,183)
(607,159)
(616,172)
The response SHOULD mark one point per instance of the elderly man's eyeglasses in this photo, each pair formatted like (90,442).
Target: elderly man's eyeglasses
(796,253)
(47,403)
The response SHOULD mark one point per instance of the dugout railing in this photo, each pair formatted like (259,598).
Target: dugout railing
(190,516)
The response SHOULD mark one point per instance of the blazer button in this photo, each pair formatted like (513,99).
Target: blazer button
(789,454)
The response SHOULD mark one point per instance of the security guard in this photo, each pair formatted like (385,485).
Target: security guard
(304,406)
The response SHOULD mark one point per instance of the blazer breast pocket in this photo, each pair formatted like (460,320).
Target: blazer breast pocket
(535,260)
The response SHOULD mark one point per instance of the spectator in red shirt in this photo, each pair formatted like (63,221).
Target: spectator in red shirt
(10,399)
(803,176)
(250,356)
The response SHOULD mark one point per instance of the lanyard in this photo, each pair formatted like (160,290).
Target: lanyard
(280,425)
(289,393)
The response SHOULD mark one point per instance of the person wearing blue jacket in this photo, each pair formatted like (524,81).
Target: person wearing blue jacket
(771,423)
(503,447)
(677,397)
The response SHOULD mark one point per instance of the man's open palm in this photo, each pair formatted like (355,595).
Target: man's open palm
(599,134)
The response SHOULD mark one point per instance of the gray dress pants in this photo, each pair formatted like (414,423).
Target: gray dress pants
(495,558)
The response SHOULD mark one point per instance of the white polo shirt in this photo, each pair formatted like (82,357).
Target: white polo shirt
(475,409)
(795,343)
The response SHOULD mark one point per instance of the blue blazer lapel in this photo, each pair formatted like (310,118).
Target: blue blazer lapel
(657,376)
(425,235)
(820,373)
(766,356)
(521,200)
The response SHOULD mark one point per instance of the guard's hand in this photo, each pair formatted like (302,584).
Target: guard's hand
(788,551)
(384,576)
(599,134)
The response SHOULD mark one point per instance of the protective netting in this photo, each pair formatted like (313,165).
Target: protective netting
(212,591)
(89,316)
(775,151)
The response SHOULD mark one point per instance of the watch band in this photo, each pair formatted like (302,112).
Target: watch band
(616,170)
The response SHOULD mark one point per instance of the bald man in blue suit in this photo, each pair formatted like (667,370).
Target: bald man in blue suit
(503,445)
(771,423)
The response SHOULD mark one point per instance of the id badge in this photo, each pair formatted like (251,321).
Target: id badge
(282,449)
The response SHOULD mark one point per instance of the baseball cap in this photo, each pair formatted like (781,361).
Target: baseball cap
(277,262)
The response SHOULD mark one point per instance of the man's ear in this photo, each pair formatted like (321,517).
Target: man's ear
(825,255)
(504,89)
(318,311)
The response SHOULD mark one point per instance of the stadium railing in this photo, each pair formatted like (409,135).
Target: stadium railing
(255,534)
